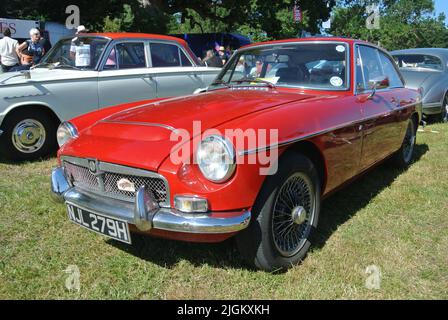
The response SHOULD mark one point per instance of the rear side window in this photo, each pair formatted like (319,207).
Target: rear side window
(416,61)
(131,55)
(168,55)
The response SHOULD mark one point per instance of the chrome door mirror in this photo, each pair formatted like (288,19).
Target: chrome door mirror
(378,84)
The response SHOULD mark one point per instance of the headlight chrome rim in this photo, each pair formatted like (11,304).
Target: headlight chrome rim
(231,156)
(70,129)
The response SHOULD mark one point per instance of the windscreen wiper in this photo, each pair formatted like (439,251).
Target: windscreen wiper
(220,81)
(268,83)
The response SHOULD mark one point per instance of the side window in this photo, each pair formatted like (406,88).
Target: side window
(128,55)
(390,71)
(184,60)
(165,55)
(371,64)
(360,81)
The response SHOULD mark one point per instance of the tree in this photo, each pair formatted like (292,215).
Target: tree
(403,24)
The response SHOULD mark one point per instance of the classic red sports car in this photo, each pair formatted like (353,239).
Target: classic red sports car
(284,124)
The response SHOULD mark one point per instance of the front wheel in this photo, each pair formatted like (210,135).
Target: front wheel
(285,214)
(28,135)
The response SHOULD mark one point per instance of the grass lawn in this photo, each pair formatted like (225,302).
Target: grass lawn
(397,221)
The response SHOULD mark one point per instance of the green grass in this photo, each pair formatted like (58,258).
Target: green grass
(396,220)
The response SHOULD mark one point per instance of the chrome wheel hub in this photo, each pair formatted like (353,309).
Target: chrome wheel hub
(293,214)
(298,215)
(28,136)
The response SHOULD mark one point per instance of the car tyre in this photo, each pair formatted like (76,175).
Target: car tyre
(28,135)
(404,156)
(444,114)
(284,216)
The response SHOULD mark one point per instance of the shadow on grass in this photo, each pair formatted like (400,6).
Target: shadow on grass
(336,210)
(21,162)
(341,206)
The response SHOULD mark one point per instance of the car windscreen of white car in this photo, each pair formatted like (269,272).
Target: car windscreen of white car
(78,53)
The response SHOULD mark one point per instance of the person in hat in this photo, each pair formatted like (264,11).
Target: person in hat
(78,51)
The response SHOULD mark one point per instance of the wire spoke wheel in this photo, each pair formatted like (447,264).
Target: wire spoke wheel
(293,214)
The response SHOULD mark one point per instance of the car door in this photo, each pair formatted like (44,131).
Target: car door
(381,127)
(173,71)
(125,75)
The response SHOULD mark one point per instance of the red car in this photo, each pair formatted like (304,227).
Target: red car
(252,156)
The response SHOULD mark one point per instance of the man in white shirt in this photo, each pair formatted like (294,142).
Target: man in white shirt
(8,55)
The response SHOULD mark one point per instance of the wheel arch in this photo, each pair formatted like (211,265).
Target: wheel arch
(310,150)
(32,106)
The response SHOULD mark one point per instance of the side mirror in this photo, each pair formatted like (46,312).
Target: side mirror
(378,84)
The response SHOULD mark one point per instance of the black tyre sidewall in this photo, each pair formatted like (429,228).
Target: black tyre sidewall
(7,148)
(256,243)
(398,158)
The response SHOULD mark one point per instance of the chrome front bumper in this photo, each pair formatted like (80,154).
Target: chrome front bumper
(145,214)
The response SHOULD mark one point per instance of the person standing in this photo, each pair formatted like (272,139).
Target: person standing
(211,60)
(33,46)
(8,54)
(44,41)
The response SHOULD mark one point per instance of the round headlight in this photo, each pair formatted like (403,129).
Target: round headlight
(216,158)
(65,133)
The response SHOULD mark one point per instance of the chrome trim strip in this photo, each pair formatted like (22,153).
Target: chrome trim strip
(137,123)
(317,133)
(119,169)
(163,219)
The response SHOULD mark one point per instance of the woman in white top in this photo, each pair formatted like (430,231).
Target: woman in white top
(8,55)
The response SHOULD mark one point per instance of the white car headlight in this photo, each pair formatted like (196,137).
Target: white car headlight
(65,133)
(215,157)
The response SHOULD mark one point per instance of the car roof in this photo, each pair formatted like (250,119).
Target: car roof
(130,35)
(431,51)
(310,39)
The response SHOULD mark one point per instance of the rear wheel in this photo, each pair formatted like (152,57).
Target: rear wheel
(28,135)
(444,114)
(284,216)
(403,157)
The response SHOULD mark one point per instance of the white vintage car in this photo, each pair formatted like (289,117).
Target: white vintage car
(86,73)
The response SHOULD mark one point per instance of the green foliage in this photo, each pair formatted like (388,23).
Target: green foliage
(403,24)
(122,23)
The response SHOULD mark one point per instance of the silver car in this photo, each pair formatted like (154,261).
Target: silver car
(86,73)
(427,70)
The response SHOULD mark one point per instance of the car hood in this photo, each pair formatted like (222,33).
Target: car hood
(416,79)
(43,74)
(140,136)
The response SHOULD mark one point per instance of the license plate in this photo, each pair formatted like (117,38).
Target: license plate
(110,227)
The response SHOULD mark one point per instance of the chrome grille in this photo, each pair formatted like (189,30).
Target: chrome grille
(105,182)
(80,176)
(157,186)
